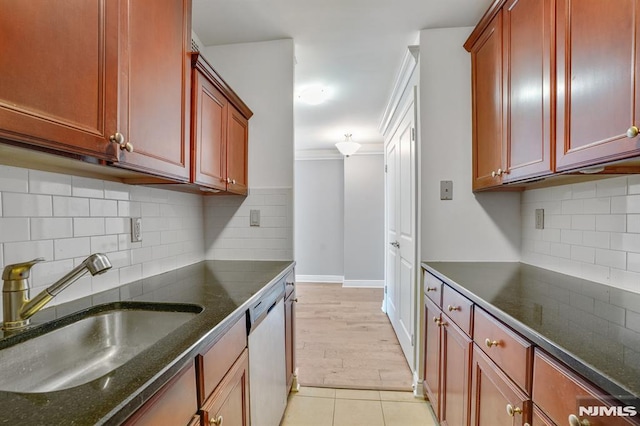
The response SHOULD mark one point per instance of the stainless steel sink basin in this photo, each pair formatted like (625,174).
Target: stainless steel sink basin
(86,346)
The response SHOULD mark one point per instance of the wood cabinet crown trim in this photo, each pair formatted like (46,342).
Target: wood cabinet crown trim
(200,63)
(484,22)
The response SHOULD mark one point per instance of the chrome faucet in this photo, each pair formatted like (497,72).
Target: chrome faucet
(16,306)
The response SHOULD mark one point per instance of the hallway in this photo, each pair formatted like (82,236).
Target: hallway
(344,340)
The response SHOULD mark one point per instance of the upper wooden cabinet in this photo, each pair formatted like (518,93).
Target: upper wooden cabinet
(512,94)
(99,79)
(597,70)
(59,75)
(486,75)
(527,81)
(220,132)
(155,87)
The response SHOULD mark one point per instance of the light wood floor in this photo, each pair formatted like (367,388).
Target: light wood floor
(344,340)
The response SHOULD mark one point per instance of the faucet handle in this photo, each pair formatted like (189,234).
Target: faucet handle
(19,271)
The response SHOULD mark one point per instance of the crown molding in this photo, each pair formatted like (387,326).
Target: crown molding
(409,64)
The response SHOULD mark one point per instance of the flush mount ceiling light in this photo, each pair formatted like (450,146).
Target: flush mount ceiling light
(347,147)
(314,95)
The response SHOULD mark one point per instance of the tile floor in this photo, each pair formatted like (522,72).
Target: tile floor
(344,407)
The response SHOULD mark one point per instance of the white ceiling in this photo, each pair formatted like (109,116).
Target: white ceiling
(355,47)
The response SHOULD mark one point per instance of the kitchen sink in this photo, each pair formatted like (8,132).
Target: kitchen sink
(87,345)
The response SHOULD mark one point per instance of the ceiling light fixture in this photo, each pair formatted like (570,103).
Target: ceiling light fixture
(347,147)
(314,95)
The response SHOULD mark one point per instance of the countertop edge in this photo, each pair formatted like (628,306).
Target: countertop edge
(572,361)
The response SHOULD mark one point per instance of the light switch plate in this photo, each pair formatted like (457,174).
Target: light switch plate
(446,190)
(254,218)
(136,229)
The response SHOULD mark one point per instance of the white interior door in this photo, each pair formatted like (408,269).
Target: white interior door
(400,153)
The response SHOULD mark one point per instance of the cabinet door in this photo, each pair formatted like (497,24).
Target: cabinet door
(155,105)
(174,404)
(486,74)
(59,74)
(496,401)
(209,131)
(596,78)
(229,404)
(527,87)
(237,151)
(455,374)
(289,336)
(431,383)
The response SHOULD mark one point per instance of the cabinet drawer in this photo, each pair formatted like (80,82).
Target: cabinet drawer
(433,288)
(559,392)
(214,363)
(512,353)
(458,308)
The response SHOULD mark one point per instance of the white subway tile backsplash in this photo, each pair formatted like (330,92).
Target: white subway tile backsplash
(72,247)
(14,179)
(26,250)
(86,187)
(612,258)
(595,235)
(104,243)
(583,222)
(116,191)
(51,228)
(14,229)
(88,226)
(98,207)
(611,223)
(72,207)
(117,225)
(26,205)
(49,183)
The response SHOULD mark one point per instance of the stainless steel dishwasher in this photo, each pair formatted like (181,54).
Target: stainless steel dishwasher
(267,366)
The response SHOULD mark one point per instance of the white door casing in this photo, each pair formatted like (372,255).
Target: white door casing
(400,153)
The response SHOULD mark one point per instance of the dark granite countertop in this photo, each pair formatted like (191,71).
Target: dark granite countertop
(225,289)
(591,327)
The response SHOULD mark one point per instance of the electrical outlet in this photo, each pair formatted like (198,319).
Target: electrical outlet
(136,229)
(539,218)
(254,218)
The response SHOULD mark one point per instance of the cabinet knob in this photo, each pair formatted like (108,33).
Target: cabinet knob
(233,181)
(575,421)
(295,300)
(512,411)
(453,308)
(217,421)
(494,174)
(490,343)
(436,319)
(119,139)
(431,288)
(632,132)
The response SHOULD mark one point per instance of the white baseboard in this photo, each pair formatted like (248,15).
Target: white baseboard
(363,283)
(319,279)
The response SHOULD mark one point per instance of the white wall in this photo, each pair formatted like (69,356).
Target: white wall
(364,220)
(319,220)
(262,75)
(64,218)
(591,230)
(471,227)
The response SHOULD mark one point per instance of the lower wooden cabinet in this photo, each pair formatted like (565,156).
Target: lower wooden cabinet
(174,404)
(447,367)
(229,403)
(560,393)
(496,400)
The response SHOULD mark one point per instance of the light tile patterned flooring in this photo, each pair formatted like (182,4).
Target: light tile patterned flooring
(344,340)
(345,407)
